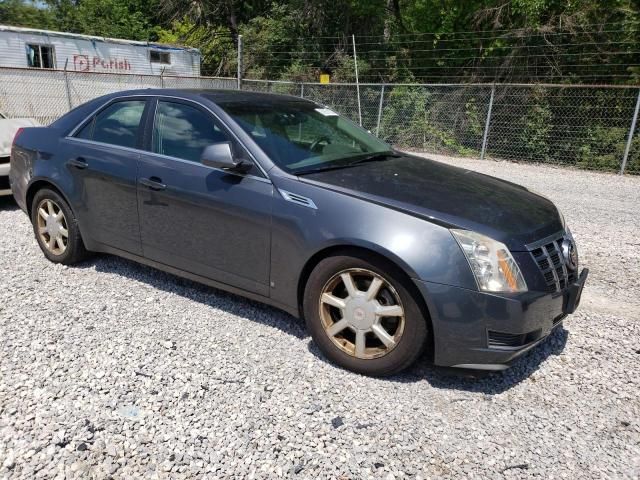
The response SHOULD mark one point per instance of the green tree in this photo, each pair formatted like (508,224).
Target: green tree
(130,19)
(215,45)
(25,14)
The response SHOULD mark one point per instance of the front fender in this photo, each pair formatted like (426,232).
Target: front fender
(423,250)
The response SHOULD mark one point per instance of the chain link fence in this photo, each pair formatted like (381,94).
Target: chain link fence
(589,127)
(48,94)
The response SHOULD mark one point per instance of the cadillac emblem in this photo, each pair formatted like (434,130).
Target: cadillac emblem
(570,254)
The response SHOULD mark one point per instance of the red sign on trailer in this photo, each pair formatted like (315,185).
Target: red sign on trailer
(84,63)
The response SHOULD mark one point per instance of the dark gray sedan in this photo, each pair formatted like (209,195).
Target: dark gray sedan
(282,200)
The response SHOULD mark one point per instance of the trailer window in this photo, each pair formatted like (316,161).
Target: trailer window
(41,56)
(160,57)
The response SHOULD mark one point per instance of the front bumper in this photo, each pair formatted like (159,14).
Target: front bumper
(472,329)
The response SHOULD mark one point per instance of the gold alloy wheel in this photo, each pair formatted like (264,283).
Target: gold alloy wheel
(52,227)
(361,313)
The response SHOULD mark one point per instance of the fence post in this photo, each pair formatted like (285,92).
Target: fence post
(66,84)
(632,130)
(380,110)
(487,122)
(355,63)
(162,77)
(239,62)
(302,90)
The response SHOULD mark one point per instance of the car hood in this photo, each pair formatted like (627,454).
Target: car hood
(8,129)
(451,196)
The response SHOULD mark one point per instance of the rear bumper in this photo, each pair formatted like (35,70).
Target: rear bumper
(478,330)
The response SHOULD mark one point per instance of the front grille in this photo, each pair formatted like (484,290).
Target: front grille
(549,258)
(512,340)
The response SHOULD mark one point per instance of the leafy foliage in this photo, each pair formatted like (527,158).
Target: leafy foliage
(398,40)
(20,13)
(131,19)
(408,41)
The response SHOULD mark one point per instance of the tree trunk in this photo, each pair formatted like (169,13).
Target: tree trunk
(392,15)
(233,23)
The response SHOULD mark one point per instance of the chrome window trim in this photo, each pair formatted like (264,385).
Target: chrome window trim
(81,123)
(157,97)
(167,157)
(103,144)
(189,162)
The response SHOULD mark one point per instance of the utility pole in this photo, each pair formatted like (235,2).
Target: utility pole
(487,122)
(627,147)
(239,62)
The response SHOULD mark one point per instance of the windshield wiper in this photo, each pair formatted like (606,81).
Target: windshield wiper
(373,157)
(376,157)
(321,169)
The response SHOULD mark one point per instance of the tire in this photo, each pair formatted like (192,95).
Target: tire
(49,203)
(323,314)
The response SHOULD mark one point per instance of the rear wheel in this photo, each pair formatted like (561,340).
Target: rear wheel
(362,315)
(56,228)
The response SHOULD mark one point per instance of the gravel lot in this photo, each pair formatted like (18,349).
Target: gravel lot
(111,369)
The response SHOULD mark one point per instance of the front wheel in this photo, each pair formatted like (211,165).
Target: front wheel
(56,228)
(362,316)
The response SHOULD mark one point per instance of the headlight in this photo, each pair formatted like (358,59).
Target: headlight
(491,262)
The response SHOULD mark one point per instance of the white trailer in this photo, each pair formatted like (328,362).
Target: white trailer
(44,49)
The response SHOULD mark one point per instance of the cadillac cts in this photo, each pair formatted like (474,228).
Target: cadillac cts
(282,200)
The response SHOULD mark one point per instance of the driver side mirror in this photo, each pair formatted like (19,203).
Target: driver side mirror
(220,155)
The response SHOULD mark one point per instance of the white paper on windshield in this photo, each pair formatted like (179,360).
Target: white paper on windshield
(326,112)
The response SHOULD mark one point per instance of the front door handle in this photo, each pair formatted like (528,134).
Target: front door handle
(154,183)
(79,162)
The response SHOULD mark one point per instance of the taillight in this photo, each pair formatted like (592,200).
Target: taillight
(18,132)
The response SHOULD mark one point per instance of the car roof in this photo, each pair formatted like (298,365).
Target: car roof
(219,96)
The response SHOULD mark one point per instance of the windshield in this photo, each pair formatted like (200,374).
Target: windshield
(300,136)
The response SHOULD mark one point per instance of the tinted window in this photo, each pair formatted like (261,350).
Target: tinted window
(117,124)
(183,131)
(299,135)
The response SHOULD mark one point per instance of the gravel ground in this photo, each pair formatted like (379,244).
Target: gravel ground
(111,369)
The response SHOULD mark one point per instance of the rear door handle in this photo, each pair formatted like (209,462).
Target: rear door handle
(154,183)
(79,162)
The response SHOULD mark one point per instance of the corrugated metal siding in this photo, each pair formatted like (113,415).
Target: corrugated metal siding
(96,55)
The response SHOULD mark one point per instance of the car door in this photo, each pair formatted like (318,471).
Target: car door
(103,160)
(203,220)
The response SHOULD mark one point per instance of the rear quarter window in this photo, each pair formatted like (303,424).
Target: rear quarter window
(118,124)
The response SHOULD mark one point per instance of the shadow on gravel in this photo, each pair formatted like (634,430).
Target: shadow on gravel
(7,204)
(489,383)
(234,304)
(423,370)
(476,381)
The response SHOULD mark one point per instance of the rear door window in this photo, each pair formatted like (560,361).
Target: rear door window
(118,124)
